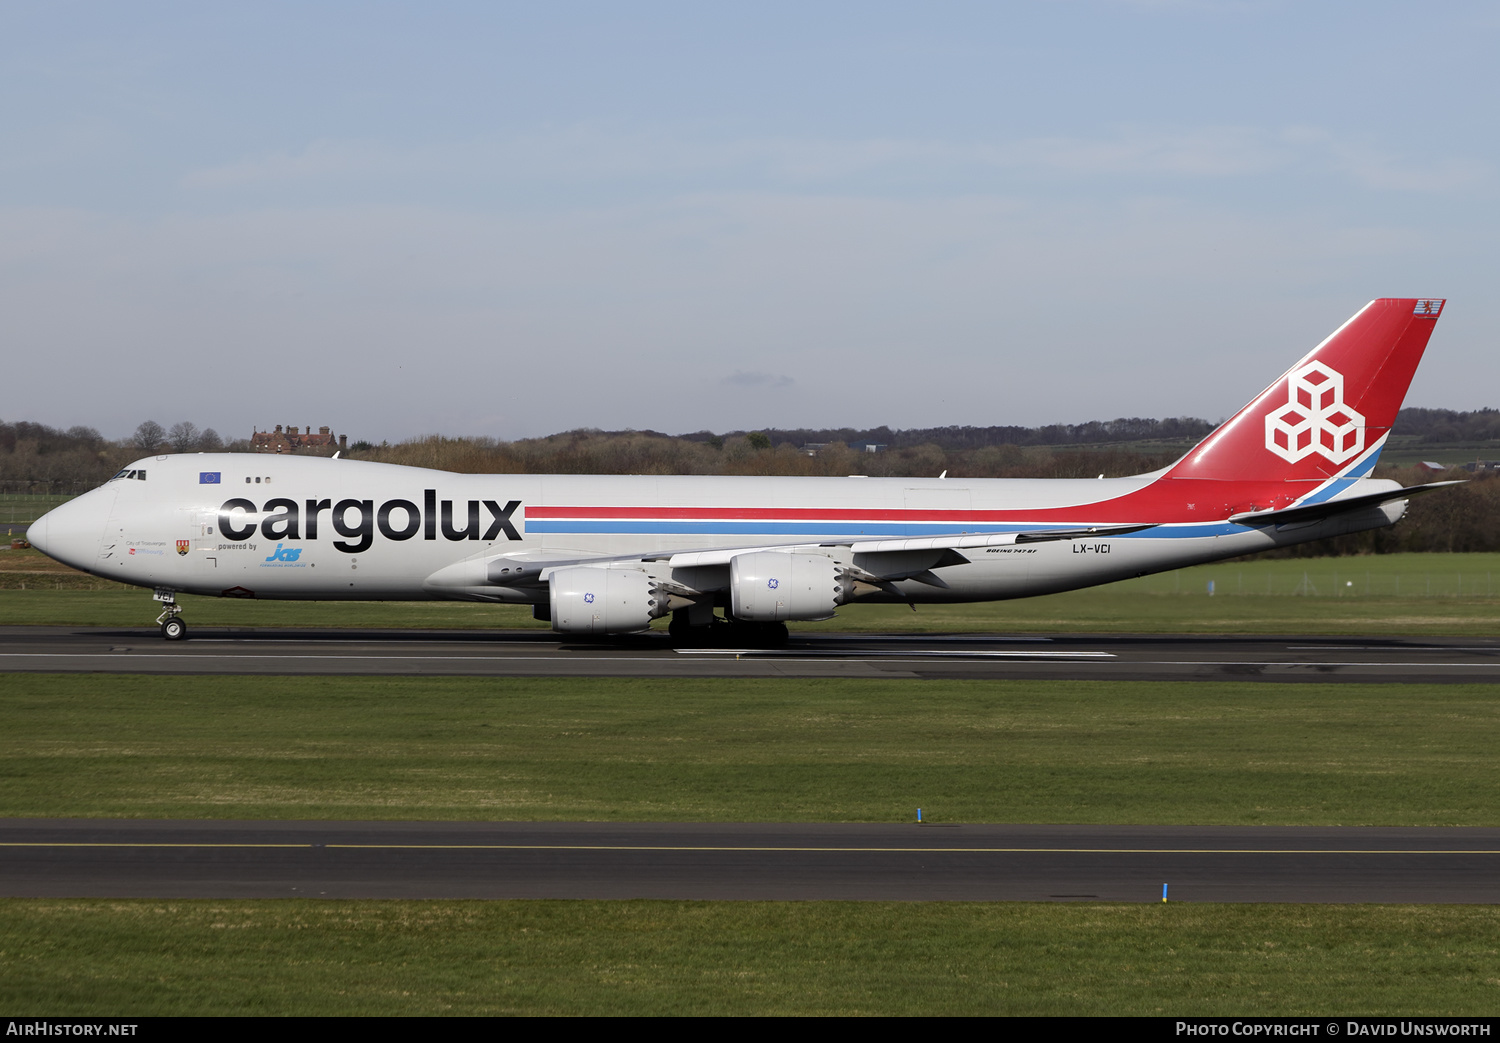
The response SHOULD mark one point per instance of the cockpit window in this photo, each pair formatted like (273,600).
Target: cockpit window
(123,474)
(132,473)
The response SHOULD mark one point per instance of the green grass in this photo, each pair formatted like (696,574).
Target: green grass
(453,748)
(133,607)
(139,958)
(1408,451)
(749,750)
(767,750)
(1394,594)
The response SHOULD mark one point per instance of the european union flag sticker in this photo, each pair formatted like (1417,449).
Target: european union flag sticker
(208,477)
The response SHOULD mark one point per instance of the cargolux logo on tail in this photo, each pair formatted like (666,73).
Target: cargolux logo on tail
(1315,418)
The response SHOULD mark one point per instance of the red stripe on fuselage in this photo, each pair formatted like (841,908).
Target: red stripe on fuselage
(1166,500)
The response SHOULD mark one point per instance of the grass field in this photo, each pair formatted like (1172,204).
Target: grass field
(1386,594)
(749,750)
(453,748)
(771,750)
(680,958)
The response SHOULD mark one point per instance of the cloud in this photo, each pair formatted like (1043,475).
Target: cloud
(1204,6)
(389,321)
(1382,171)
(741,378)
(560,168)
(319,161)
(1207,152)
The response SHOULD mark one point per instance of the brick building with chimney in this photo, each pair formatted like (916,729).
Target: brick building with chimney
(292,440)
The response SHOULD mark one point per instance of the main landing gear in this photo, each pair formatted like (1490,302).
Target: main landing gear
(687,632)
(170,621)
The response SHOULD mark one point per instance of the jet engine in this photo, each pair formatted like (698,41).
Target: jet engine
(770,586)
(590,600)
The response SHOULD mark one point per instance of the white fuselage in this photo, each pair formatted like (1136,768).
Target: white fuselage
(309,528)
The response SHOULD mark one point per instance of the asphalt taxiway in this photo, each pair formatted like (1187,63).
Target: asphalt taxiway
(533,653)
(216,859)
(208,859)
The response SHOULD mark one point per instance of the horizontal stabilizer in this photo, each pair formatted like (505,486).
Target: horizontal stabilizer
(1328,508)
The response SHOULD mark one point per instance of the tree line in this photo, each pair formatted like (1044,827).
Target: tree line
(1121,429)
(36,458)
(1463,518)
(40,459)
(1430,425)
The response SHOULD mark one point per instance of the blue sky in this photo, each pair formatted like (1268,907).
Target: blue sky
(518,219)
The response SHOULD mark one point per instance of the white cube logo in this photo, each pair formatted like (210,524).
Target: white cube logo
(1315,419)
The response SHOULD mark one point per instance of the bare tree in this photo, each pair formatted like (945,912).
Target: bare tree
(148,437)
(81,433)
(184,436)
(210,442)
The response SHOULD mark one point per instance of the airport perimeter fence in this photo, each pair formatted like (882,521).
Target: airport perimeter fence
(1295,579)
(19,509)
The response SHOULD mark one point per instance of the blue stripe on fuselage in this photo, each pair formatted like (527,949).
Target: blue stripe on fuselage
(844,529)
(762,528)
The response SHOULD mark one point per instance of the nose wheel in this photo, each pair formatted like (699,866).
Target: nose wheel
(170,621)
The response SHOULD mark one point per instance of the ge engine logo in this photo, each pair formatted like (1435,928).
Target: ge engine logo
(1315,418)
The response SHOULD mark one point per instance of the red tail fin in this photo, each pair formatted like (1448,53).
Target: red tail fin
(1330,413)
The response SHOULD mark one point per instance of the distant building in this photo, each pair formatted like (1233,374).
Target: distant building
(292,439)
(1483,465)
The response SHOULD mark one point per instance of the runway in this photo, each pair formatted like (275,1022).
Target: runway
(533,653)
(216,859)
(212,859)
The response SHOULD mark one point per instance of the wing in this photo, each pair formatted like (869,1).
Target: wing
(522,576)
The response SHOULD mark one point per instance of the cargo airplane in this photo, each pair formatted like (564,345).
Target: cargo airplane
(608,554)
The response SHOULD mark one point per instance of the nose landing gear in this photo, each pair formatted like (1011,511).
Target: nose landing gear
(170,621)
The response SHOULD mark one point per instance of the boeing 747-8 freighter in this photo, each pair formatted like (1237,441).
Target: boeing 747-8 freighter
(610,554)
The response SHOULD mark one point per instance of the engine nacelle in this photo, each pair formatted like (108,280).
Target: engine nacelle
(588,600)
(770,586)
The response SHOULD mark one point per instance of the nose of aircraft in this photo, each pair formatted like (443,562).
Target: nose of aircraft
(36,535)
(70,533)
